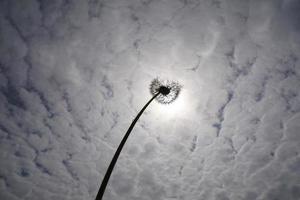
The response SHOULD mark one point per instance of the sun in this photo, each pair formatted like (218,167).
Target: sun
(171,104)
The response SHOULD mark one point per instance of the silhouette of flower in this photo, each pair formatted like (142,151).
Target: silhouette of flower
(165,92)
(169,90)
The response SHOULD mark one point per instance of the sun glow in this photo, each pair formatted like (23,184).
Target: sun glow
(173,110)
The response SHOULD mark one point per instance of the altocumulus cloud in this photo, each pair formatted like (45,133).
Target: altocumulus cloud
(74,73)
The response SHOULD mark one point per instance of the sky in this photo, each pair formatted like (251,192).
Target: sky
(74,74)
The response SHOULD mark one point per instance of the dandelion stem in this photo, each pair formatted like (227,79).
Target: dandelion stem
(117,153)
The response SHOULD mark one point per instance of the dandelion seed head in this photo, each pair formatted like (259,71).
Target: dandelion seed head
(169,90)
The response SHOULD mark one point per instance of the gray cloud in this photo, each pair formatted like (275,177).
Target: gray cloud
(73,74)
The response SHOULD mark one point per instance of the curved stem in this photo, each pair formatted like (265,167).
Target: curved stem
(115,158)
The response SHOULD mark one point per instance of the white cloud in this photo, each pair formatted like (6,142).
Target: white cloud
(73,75)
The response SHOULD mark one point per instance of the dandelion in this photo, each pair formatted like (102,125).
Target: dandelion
(168,90)
(165,92)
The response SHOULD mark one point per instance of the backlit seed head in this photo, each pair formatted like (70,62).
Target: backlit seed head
(169,90)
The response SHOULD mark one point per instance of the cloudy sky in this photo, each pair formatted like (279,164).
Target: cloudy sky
(74,73)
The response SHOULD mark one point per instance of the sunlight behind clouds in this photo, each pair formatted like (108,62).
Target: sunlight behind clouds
(74,74)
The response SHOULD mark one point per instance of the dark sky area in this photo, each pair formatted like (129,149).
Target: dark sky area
(74,74)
